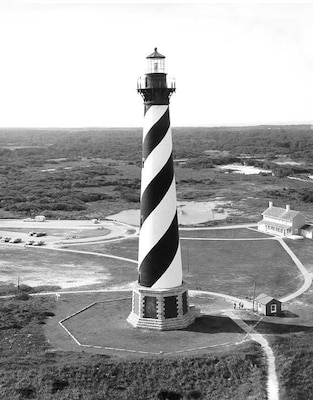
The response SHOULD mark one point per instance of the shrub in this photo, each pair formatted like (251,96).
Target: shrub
(22,296)
(25,288)
(58,385)
(27,392)
(169,395)
(194,395)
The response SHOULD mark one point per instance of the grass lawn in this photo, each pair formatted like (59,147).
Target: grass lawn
(232,267)
(303,249)
(303,305)
(227,233)
(37,267)
(127,248)
(104,324)
(229,267)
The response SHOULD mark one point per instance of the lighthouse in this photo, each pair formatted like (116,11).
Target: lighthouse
(160,298)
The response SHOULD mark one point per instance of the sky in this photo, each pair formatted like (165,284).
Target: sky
(76,63)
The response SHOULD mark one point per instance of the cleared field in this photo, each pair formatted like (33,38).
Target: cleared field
(236,233)
(36,267)
(127,248)
(303,249)
(231,267)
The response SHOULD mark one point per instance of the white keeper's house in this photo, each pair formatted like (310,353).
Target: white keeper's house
(281,221)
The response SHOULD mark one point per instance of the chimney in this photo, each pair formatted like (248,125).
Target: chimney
(270,204)
(287,207)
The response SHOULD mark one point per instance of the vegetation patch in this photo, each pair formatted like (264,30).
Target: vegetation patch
(30,369)
(96,172)
(294,364)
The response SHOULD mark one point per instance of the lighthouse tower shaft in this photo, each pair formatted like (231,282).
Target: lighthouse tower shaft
(160,300)
(159,258)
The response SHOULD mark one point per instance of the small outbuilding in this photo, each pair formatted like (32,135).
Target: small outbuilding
(307,231)
(267,305)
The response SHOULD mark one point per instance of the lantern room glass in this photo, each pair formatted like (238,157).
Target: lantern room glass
(156,66)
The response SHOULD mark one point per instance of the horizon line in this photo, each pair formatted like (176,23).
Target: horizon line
(173,126)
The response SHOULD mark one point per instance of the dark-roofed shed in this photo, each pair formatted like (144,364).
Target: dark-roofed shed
(267,305)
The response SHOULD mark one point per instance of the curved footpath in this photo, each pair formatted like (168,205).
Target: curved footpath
(307,276)
(272,379)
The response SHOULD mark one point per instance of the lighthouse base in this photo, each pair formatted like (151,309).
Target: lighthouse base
(161,309)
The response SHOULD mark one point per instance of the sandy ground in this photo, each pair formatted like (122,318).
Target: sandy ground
(188,212)
(37,266)
(244,169)
(66,228)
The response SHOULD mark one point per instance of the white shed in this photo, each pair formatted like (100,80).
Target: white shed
(307,231)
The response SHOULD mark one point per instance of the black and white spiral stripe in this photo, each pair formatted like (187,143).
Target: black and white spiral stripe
(159,258)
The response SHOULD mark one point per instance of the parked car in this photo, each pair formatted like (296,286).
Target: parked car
(39,243)
(16,240)
(39,234)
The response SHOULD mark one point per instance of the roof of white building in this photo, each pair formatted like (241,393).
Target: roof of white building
(281,213)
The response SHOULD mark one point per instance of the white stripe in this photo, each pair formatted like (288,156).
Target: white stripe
(173,276)
(157,223)
(156,160)
(153,114)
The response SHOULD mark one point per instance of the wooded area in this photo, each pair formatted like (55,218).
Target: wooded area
(55,171)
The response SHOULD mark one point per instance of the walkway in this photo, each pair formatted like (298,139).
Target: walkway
(272,379)
(307,276)
(92,253)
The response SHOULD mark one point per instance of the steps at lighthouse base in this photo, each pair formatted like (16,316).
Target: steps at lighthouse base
(164,324)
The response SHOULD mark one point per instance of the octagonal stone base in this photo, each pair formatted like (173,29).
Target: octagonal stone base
(161,309)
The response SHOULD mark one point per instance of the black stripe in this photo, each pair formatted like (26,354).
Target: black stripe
(156,189)
(160,256)
(156,134)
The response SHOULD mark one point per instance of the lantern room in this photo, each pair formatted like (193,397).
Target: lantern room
(155,87)
(156,63)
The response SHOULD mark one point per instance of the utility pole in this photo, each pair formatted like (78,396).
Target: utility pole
(253,296)
(188,265)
